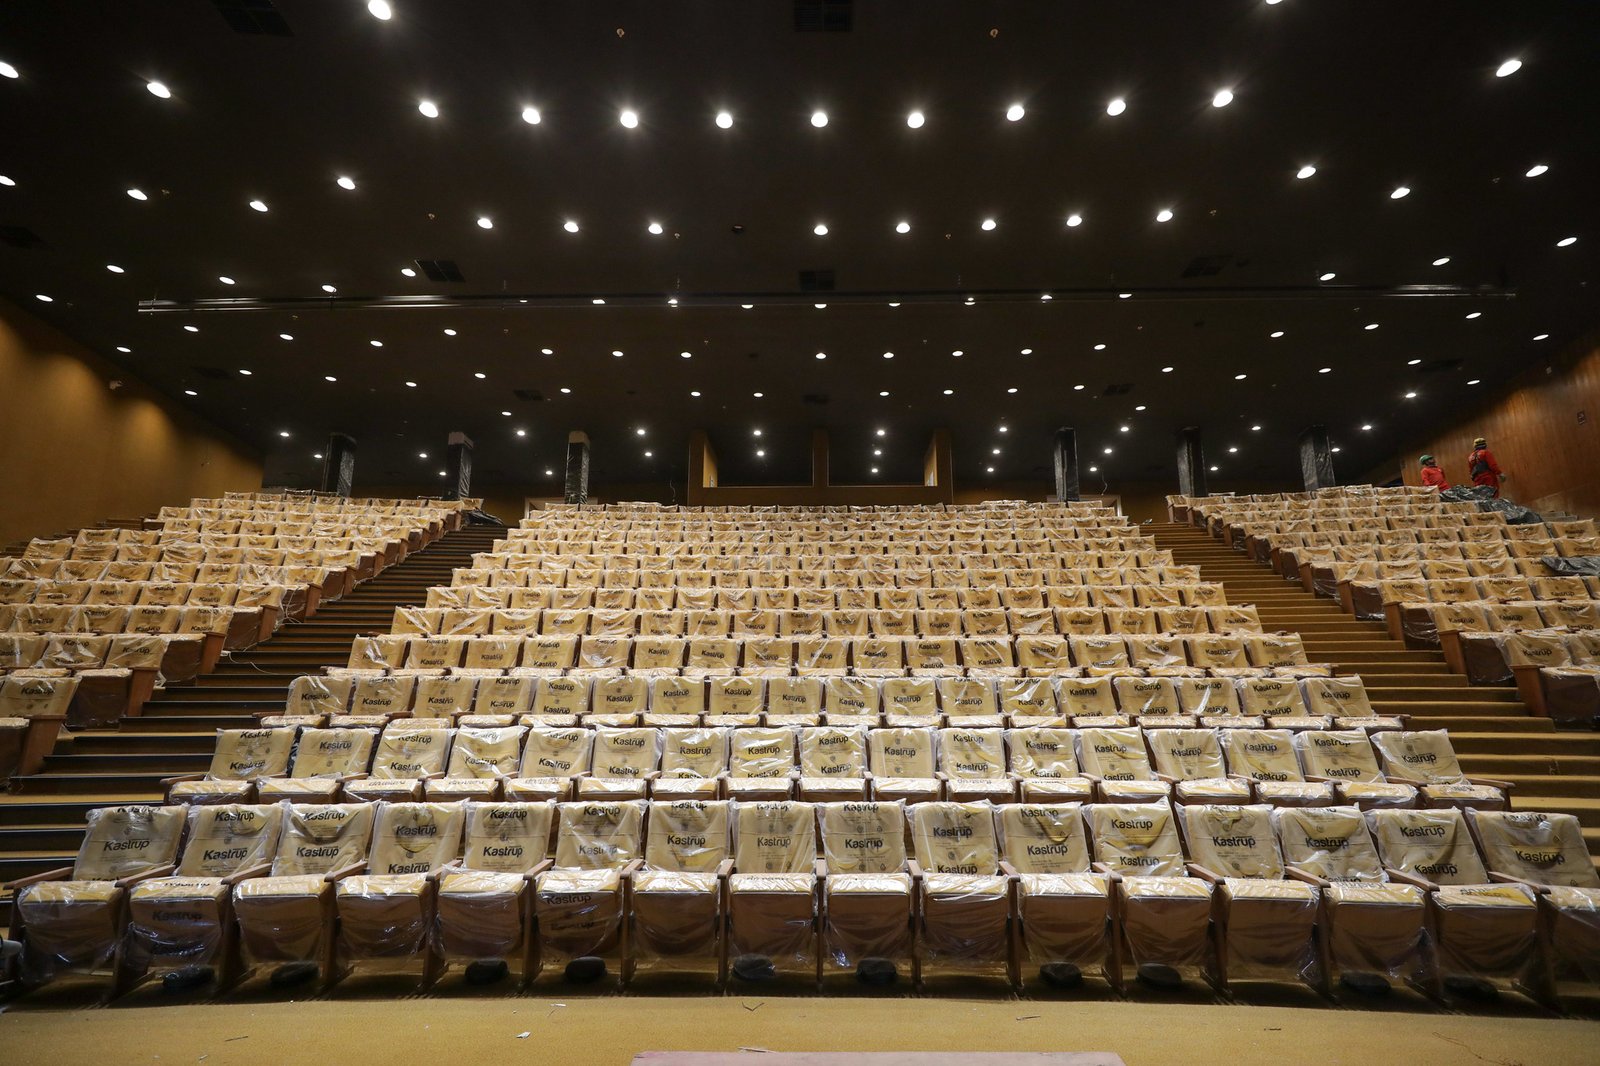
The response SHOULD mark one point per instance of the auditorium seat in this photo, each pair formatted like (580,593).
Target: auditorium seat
(579,902)
(774,894)
(406,757)
(483,904)
(241,758)
(1065,923)
(867,891)
(964,904)
(324,760)
(678,897)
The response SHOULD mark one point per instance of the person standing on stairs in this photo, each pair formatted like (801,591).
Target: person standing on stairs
(1432,476)
(1481,465)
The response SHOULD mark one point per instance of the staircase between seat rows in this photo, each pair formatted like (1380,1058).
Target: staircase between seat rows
(42,820)
(1491,729)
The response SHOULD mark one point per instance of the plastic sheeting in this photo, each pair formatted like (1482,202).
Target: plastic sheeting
(1534,846)
(1137,840)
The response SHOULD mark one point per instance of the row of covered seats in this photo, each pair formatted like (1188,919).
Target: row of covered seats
(885,655)
(1022,892)
(734,572)
(495,596)
(481,759)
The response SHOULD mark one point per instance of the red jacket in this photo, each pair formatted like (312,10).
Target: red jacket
(1491,476)
(1433,476)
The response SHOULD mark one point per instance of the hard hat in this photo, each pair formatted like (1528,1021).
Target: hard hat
(1480,443)
(1425,459)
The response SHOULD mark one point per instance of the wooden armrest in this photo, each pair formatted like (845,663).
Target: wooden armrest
(538,868)
(133,879)
(63,873)
(1007,869)
(1410,879)
(349,871)
(820,869)
(1297,874)
(1507,879)
(247,873)
(916,871)
(168,782)
(1493,782)
(1196,870)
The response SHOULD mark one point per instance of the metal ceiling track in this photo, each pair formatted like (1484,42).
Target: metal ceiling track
(599,301)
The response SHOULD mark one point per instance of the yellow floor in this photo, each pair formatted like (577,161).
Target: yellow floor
(387,1032)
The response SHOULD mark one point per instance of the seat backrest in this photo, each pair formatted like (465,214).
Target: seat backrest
(1338,754)
(319,695)
(1344,697)
(794,695)
(407,751)
(761,751)
(1208,695)
(774,836)
(972,753)
(955,838)
(333,752)
(1136,839)
(687,835)
(486,751)
(1091,696)
(1114,754)
(1432,844)
(627,752)
(561,695)
(833,751)
(621,695)
(850,696)
(1262,754)
(1424,756)
(1187,754)
(1328,842)
(599,835)
(1233,841)
(1042,751)
(554,752)
(1026,697)
(863,837)
(693,751)
(1043,838)
(1545,849)
(902,751)
(124,841)
(416,838)
(246,754)
(506,837)
(319,838)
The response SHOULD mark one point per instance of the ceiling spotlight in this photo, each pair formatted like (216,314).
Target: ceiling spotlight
(246,373)
(1094,470)
(724,120)
(1566,242)
(570,225)
(695,393)
(1233,450)
(376,344)
(42,298)
(894,304)
(820,307)
(820,229)
(126,350)
(1223,98)
(283,433)
(822,355)
(1275,334)
(1117,106)
(617,353)
(1124,429)
(1475,314)
(883,432)
(1003,429)
(1541,337)
(8,71)
(877,452)
(685,355)
(902,227)
(190,392)
(649,455)
(888,355)
(1412,362)
(524,433)
(1400,193)
(1475,381)
(428,108)
(190,329)
(1046,296)
(1370,325)
(1015,112)
(408,272)
(1508,68)
(987,469)
(654,228)
(1441,261)
(761,453)
(329,289)
(1124,295)
(988,224)
(598,301)
(1326,370)
(565,391)
(1536,170)
(949,392)
(1100,347)
(885,392)
(257,205)
(380,9)
(758,395)
(485,222)
(629,119)
(915,120)
(225,279)
(1079,388)
(1411,396)
(114,268)
(505,414)
(640,431)
(1167,369)
(1329,276)
(157,89)
(422,455)
(1305,171)
(1027,351)
(549,473)
(1107,451)
(531,116)
(6,181)
(1334,448)
(1213,470)
(1367,426)
(452,333)
(819,119)
(1072,221)
(755,433)
(137,194)
(1164,215)
(1240,377)
(480,375)
(411,384)
(1012,391)
(970,301)
(1139,408)
(747,306)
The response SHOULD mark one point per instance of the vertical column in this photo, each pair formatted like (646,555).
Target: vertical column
(458,467)
(1066,463)
(1191,463)
(339,468)
(577,467)
(1316,459)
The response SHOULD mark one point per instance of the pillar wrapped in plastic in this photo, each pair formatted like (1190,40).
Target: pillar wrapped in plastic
(867,895)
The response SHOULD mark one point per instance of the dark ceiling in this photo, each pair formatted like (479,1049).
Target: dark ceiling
(1375,94)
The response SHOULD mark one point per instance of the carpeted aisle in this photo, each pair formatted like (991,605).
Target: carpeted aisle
(610,1031)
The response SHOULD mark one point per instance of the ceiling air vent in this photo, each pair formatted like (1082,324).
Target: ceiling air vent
(1206,266)
(816,280)
(254,17)
(823,16)
(1118,390)
(20,237)
(530,395)
(440,269)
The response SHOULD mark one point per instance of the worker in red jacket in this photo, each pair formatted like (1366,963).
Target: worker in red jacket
(1432,476)
(1483,468)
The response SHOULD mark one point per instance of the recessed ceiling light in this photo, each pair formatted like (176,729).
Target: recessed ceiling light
(1223,98)
(820,307)
(1475,381)
(1124,429)
(822,355)
(531,116)
(480,375)
(1117,106)
(1003,429)
(376,344)
(958,353)
(685,355)
(949,392)
(987,469)
(640,431)
(5,180)
(597,301)
(452,333)
(1167,369)
(1124,295)
(695,393)
(126,350)
(1233,450)
(114,268)
(1326,370)
(1079,388)
(1535,170)
(1370,325)
(1073,221)
(1015,112)
(902,227)
(1475,314)
(1275,334)
(1441,261)
(888,355)
(629,119)
(345,182)
(1566,242)
(380,9)
(1100,347)
(617,353)
(570,225)
(970,301)
(505,414)
(761,453)
(987,224)
(189,329)
(655,228)
(819,119)
(1240,377)
(1400,193)
(1541,337)
(1411,396)
(8,71)
(524,433)
(329,377)
(1305,171)
(190,392)
(329,288)
(755,432)
(1012,391)
(1141,407)
(565,391)
(549,473)
(428,108)
(1213,470)
(758,395)
(411,384)
(137,194)
(877,452)
(894,304)
(820,229)
(1255,429)
(1508,68)
(885,392)
(1412,362)
(1107,451)
(257,205)
(283,433)
(1164,215)
(882,432)
(225,279)
(725,119)
(408,272)
(1027,351)
(1334,449)
(915,120)
(1329,276)
(1367,426)
(1094,470)
(1046,296)
(158,89)
(747,306)
(485,222)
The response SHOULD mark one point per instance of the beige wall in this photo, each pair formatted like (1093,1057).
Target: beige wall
(77,452)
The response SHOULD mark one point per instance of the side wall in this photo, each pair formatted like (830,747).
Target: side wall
(77,452)
(1543,427)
